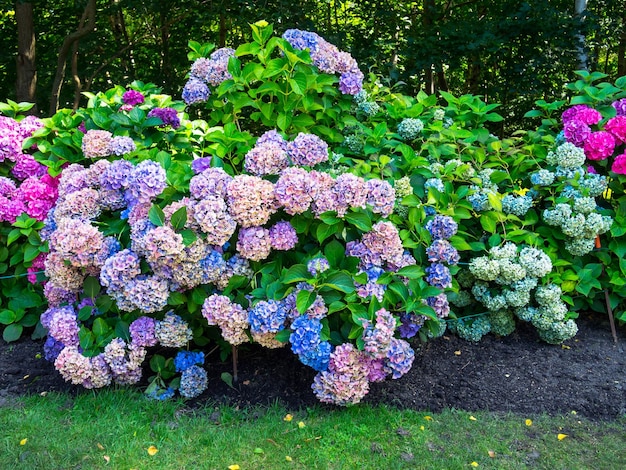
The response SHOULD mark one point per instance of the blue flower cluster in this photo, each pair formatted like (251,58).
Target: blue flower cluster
(193,382)
(306,334)
(267,317)
(185,359)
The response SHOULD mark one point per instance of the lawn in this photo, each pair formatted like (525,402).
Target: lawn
(119,428)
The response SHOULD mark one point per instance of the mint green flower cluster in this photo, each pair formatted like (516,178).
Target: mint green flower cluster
(550,317)
(579,221)
(505,282)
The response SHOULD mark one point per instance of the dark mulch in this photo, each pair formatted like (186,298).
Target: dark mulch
(517,373)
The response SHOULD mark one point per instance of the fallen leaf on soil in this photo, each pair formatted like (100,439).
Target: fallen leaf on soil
(288,417)
(258,450)
(474,464)
(233,467)
(471,418)
(457,353)
(24,441)
(152,450)
(529,422)
(301,424)
(428,418)
(560,437)
(288,458)
(100,446)
(564,346)
(491,453)
(106,458)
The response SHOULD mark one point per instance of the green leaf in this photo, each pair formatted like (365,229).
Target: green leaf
(91,286)
(189,237)
(324,231)
(179,218)
(334,253)
(304,300)
(341,282)
(100,328)
(176,298)
(12,332)
(296,273)
(360,220)
(411,272)
(13,235)
(30,253)
(156,215)
(7,317)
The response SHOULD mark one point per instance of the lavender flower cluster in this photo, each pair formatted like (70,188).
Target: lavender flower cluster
(207,71)
(329,59)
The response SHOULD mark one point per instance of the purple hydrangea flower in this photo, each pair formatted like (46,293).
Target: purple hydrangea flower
(167,115)
(132,97)
(442,227)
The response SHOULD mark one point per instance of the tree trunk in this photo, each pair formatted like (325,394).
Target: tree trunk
(26,84)
(580,6)
(621,51)
(87,24)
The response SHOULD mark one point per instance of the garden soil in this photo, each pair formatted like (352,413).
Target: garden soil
(517,373)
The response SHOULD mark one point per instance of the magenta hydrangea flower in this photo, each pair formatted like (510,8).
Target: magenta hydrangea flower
(283,236)
(581,113)
(307,150)
(133,97)
(620,106)
(96,144)
(26,166)
(619,164)
(168,116)
(599,145)
(617,127)
(576,132)
(254,243)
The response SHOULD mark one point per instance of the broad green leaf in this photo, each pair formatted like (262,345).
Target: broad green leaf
(156,215)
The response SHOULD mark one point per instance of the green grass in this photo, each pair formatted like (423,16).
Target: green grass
(115,428)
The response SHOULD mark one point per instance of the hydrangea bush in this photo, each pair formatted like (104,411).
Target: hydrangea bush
(309,209)
(171,234)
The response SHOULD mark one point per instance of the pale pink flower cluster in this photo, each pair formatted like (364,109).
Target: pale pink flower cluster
(307,150)
(231,318)
(377,337)
(77,242)
(383,245)
(251,200)
(173,331)
(212,217)
(267,158)
(96,144)
(346,380)
(349,191)
(381,196)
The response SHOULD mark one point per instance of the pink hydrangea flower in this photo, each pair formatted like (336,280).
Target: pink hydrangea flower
(599,145)
(254,243)
(96,144)
(619,164)
(617,127)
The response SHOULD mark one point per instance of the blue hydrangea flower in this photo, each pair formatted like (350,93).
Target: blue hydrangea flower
(516,205)
(161,394)
(267,317)
(317,265)
(442,227)
(193,382)
(434,183)
(185,359)
(195,91)
(306,334)
(317,358)
(438,275)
